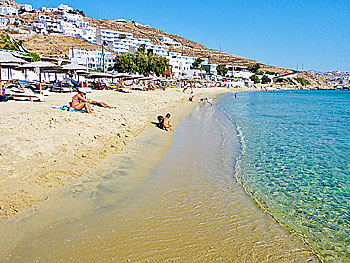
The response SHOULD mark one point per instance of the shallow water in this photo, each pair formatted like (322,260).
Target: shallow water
(189,208)
(296,162)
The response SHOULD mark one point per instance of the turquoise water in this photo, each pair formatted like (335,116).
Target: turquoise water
(295,162)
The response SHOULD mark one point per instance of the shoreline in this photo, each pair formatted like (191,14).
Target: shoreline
(153,183)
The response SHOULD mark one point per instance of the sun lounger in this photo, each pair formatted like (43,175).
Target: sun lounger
(23,94)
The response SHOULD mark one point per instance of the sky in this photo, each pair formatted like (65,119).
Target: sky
(293,34)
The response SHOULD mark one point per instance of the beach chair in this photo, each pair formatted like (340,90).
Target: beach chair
(23,94)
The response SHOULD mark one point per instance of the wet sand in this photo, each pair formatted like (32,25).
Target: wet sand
(188,208)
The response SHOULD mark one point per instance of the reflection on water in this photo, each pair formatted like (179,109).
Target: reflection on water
(189,209)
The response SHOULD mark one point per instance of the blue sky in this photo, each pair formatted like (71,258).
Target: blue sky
(312,34)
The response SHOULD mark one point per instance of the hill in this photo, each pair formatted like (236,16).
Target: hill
(58,46)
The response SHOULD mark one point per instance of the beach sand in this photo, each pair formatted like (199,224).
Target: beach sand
(166,197)
(42,150)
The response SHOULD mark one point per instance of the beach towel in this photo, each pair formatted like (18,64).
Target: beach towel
(68,109)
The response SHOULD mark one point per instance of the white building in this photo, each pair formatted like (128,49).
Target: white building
(3,22)
(26,8)
(64,8)
(8,10)
(73,18)
(89,34)
(110,35)
(91,59)
(210,68)
(69,29)
(39,28)
(181,65)
(169,41)
(53,26)
(43,18)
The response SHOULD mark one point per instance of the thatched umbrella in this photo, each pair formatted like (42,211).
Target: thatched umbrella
(40,66)
(7,60)
(74,68)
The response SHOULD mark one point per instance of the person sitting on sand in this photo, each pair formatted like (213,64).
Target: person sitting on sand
(191,98)
(160,121)
(166,122)
(79,102)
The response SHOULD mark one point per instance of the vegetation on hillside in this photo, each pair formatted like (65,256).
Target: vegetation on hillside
(302,81)
(5,43)
(255,79)
(254,68)
(34,57)
(265,80)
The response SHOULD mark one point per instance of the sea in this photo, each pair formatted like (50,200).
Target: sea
(295,162)
(261,177)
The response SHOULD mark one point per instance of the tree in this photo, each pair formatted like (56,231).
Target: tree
(265,80)
(255,79)
(196,63)
(125,63)
(142,63)
(81,12)
(254,68)
(222,70)
(142,48)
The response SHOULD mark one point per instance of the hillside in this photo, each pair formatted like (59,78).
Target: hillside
(58,46)
(51,45)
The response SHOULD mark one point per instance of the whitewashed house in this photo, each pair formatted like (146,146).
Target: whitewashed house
(69,29)
(89,34)
(110,35)
(65,8)
(169,41)
(8,10)
(39,28)
(53,26)
(26,8)
(3,22)
(73,18)
(91,59)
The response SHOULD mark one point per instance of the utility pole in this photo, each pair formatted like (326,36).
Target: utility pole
(103,57)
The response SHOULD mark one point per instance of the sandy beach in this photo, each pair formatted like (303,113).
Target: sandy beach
(45,149)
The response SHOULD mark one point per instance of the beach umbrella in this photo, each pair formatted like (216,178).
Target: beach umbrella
(40,66)
(99,75)
(75,68)
(8,60)
(121,75)
(133,77)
